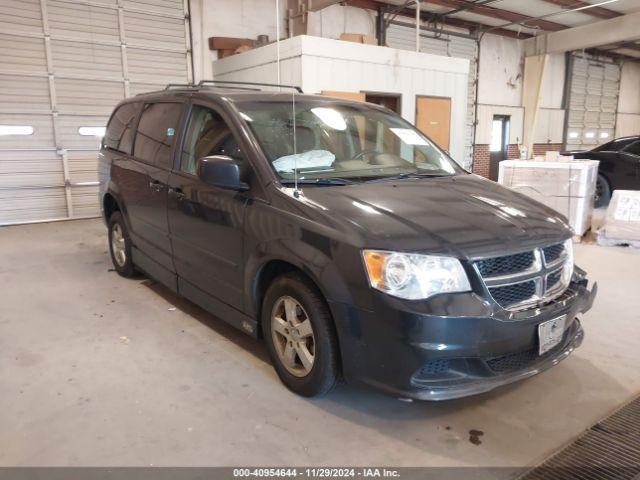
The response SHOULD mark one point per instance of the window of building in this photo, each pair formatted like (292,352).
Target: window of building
(92,131)
(16,130)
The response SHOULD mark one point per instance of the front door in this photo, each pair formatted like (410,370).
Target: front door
(499,147)
(206,222)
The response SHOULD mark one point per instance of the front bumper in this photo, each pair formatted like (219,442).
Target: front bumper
(454,346)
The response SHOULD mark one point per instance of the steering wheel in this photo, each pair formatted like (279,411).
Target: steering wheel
(364,152)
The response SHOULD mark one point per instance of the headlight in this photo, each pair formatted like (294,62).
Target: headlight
(414,276)
(567,269)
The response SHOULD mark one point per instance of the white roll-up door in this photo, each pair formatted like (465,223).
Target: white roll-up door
(404,37)
(63,67)
(593,100)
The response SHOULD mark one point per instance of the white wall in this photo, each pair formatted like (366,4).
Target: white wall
(501,67)
(231,18)
(628,120)
(335,20)
(500,91)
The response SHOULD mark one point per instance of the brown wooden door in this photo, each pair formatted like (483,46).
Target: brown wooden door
(433,118)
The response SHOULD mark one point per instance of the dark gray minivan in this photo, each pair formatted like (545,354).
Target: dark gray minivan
(341,235)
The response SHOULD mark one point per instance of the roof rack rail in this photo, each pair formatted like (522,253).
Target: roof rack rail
(250,84)
(179,85)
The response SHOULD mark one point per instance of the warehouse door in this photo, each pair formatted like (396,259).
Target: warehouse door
(592,103)
(63,67)
(433,118)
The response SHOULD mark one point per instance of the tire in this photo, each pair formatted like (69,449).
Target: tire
(310,306)
(603,192)
(120,246)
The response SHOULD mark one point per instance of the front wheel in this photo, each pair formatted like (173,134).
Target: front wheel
(300,336)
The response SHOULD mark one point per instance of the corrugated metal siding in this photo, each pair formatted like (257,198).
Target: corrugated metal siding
(64,65)
(403,37)
(593,100)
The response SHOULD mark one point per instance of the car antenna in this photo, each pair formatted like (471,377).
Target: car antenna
(296,192)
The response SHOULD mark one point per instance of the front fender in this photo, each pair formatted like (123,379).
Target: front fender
(318,265)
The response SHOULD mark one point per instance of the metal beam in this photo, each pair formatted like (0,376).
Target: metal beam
(500,13)
(429,16)
(606,32)
(599,12)
(315,5)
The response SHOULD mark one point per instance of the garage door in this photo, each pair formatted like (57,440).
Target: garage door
(593,102)
(64,65)
(403,37)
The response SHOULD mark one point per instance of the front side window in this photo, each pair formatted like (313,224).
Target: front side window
(207,134)
(633,149)
(119,133)
(156,134)
(339,140)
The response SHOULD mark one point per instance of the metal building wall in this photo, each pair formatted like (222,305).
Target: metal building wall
(64,65)
(403,37)
(592,103)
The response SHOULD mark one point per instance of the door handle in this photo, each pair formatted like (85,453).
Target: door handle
(177,191)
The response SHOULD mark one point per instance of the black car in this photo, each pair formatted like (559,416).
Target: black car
(619,167)
(341,235)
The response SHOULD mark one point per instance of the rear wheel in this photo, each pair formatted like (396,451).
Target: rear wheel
(603,192)
(120,246)
(300,336)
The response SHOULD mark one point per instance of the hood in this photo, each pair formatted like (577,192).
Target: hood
(464,215)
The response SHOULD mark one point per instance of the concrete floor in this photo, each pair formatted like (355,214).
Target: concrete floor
(99,370)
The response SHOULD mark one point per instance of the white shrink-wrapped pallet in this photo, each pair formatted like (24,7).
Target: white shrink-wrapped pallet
(566,186)
(622,222)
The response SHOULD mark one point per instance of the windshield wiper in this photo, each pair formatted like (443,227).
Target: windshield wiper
(410,175)
(319,181)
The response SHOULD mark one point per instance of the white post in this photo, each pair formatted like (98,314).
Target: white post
(278,40)
(417,25)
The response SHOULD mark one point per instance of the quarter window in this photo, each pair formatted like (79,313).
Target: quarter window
(156,134)
(119,133)
(207,134)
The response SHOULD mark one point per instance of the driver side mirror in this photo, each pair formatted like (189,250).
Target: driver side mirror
(221,171)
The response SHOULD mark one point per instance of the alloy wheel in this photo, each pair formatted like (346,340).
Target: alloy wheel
(293,336)
(118,245)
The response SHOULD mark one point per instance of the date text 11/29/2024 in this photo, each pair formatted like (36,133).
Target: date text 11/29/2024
(320,472)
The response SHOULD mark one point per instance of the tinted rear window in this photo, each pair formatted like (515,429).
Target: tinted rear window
(119,134)
(157,132)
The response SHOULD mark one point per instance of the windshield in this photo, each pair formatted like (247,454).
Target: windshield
(335,140)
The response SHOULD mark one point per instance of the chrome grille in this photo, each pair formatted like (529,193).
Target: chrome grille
(525,279)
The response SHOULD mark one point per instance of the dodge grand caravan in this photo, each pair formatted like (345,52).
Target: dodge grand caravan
(342,236)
